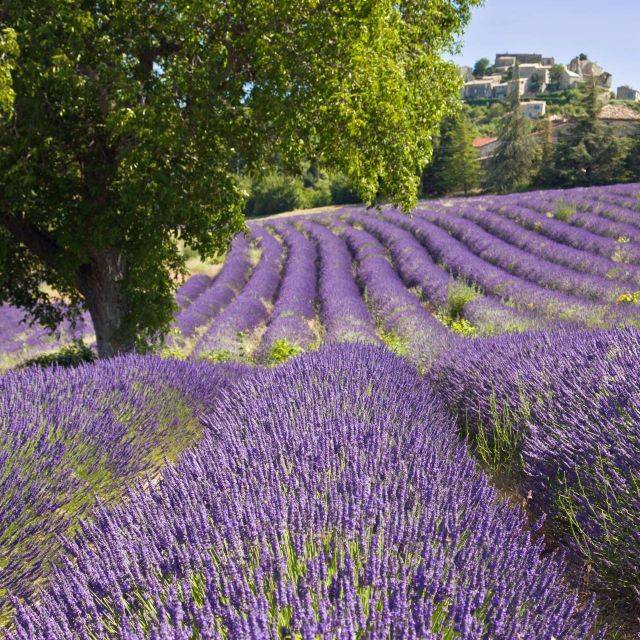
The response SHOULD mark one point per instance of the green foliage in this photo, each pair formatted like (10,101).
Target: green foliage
(632,162)
(463,327)
(510,168)
(220,355)
(588,154)
(544,174)
(628,297)
(275,193)
(342,191)
(281,351)
(564,210)
(69,356)
(481,67)
(8,55)
(455,167)
(555,77)
(172,353)
(461,292)
(131,120)
(485,118)
(394,342)
(498,444)
(535,83)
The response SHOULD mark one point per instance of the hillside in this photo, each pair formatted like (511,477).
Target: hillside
(415,490)
(474,266)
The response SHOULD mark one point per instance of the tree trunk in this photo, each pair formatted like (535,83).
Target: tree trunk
(101,286)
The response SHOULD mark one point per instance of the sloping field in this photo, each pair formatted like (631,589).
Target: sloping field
(476,266)
(479,478)
(329,497)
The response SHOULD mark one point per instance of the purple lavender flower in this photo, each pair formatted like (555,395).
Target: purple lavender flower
(71,435)
(338,502)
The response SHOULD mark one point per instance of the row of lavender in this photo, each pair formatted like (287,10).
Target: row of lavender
(327,498)
(497,263)
(69,436)
(563,411)
(520,278)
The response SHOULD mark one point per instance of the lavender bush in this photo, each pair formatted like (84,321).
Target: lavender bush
(343,313)
(567,407)
(250,308)
(328,498)
(69,436)
(227,285)
(402,316)
(294,312)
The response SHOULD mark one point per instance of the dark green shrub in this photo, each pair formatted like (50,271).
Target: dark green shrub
(70,356)
(276,193)
(342,191)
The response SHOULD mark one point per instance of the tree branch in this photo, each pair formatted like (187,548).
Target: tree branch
(37,241)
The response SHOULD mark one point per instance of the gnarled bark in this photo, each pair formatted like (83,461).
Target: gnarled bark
(100,283)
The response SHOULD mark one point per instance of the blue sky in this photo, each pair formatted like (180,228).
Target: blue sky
(608,31)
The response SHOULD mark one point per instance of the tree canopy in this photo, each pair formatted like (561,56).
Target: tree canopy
(455,167)
(509,169)
(589,154)
(128,119)
(481,67)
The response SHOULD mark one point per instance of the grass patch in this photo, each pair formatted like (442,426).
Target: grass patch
(282,350)
(498,444)
(394,342)
(564,211)
(460,293)
(218,355)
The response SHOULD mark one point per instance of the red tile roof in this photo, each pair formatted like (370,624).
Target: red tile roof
(481,142)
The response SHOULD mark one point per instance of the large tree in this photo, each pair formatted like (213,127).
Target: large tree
(455,167)
(589,153)
(129,118)
(510,167)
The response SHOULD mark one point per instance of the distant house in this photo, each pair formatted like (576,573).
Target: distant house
(511,59)
(466,73)
(502,90)
(569,79)
(622,118)
(536,75)
(589,70)
(627,93)
(534,71)
(534,109)
(504,62)
(478,90)
(485,147)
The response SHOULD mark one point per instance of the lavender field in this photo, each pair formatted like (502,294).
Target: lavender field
(365,425)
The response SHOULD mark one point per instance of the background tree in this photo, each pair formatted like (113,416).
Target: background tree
(510,167)
(455,167)
(129,119)
(481,67)
(545,173)
(633,158)
(535,83)
(588,154)
(555,77)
